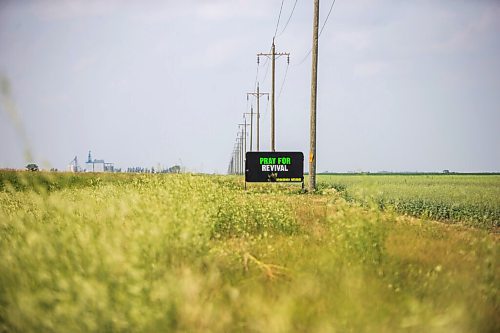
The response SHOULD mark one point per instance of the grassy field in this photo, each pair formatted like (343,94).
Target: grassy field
(472,200)
(191,253)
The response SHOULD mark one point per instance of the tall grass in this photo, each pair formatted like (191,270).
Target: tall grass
(186,253)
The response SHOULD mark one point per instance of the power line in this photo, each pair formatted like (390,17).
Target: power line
(289,17)
(327,17)
(256,76)
(305,58)
(322,27)
(284,79)
(267,70)
(279,16)
(266,63)
(273,54)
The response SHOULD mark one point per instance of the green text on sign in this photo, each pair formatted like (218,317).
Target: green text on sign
(272,160)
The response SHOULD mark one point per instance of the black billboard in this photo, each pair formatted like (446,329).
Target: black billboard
(274,167)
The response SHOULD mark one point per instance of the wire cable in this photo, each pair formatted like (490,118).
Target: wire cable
(279,16)
(289,18)
(327,17)
(320,32)
(267,71)
(284,79)
(266,63)
(256,77)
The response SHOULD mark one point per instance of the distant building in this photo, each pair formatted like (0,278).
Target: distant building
(98,165)
(73,165)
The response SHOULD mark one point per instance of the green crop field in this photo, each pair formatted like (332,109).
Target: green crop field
(470,199)
(193,253)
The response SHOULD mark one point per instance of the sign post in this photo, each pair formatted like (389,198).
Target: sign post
(280,167)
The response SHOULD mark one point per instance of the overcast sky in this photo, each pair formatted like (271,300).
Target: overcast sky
(403,85)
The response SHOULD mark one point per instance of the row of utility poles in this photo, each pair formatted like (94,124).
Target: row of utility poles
(237,162)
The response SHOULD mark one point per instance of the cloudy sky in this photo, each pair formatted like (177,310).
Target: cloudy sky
(403,85)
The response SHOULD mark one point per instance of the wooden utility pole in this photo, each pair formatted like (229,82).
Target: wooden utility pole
(240,152)
(244,133)
(236,156)
(244,137)
(242,158)
(273,56)
(251,126)
(238,168)
(258,94)
(314,93)
(244,143)
(273,115)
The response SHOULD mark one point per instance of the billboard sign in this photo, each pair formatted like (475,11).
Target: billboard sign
(274,167)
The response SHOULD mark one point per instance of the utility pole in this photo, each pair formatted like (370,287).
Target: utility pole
(251,126)
(244,133)
(244,141)
(273,56)
(231,165)
(314,93)
(241,155)
(235,156)
(258,94)
(234,160)
(240,152)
